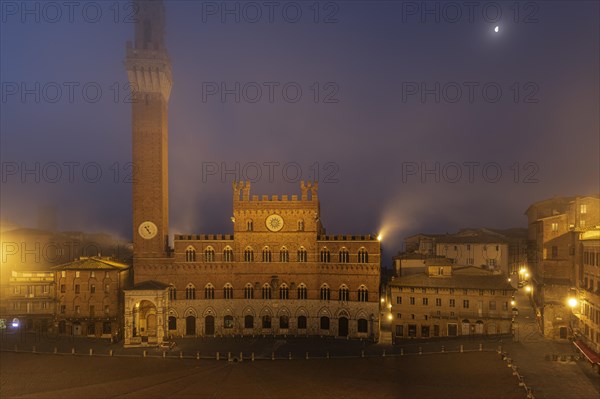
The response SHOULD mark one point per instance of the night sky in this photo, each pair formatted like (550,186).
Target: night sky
(386,91)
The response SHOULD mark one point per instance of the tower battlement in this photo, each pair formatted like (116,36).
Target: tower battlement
(241,193)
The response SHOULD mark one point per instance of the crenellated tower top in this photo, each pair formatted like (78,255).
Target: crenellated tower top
(148,64)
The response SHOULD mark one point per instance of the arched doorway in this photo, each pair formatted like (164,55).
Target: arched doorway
(209,325)
(190,325)
(145,323)
(343,327)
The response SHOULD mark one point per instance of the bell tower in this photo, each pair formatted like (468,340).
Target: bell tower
(149,73)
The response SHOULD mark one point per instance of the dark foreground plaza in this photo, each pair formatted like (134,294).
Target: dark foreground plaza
(451,375)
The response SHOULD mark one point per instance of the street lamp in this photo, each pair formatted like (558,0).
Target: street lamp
(572,302)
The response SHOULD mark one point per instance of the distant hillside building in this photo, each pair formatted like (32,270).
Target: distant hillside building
(498,250)
(447,301)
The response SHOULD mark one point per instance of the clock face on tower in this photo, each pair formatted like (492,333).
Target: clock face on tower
(274,222)
(147,230)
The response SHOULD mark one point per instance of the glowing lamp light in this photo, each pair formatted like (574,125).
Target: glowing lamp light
(572,302)
(509,279)
(522,270)
(389,305)
(512,303)
(528,288)
(390,317)
(379,237)
(497,29)
(526,275)
(382,300)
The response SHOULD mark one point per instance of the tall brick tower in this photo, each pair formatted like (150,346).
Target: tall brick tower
(149,72)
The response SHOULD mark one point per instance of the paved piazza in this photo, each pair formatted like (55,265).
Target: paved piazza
(466,375)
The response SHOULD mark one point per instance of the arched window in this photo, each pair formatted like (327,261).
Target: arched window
(228,254)
(209,254)
(325,255)
(363,255)
(190,254)
(284,255)
(302,254)
(324,323)
(266,291)
(209,291)
(343,293)
(284,322)
(248,321)
(363,326)
(249,225)
(344,255)
(363,294)
(248,254)
(300,225)
(266,321)
(266,254)
(248,291)
(172,293)
(172,323)
(302,292)
(325,293)
(284,292)
(190,291)
(228,291)
(228,322)
(301,322)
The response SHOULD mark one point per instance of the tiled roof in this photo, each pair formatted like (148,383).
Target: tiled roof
(92,263)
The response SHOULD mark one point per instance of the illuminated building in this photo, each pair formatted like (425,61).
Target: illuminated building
(278,273)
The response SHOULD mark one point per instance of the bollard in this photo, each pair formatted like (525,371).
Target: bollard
(252,356)
(91,351)
(72,351)
(218,355)
(33,349)
(145,353)
(197,355)
(443,349)
(55,350)
(306,355)
(272,355)
(383,353)
(420,350)
(228,356)
(461,349)
(164,354)
(290,355)
(181,354)
(401,351)
(362,353)
(480,347)
(327,354)
(241,356)
(110,352)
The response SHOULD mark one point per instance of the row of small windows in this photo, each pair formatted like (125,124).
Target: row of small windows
(284,256)
(451,302)
(284,322)
(465,291)
(266,292)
